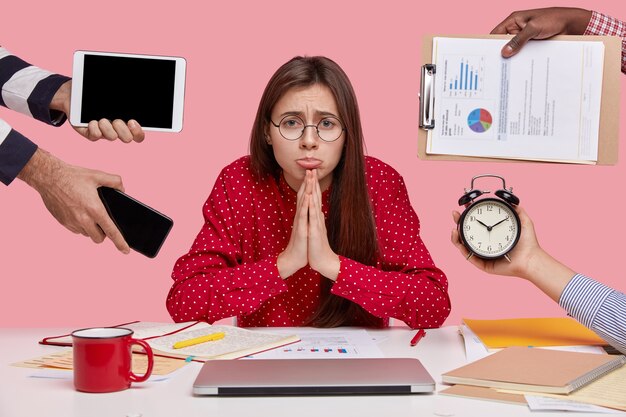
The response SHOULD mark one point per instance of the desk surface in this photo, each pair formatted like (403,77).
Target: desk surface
(440,351)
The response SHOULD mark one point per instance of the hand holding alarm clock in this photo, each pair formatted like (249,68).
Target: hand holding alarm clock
(528,261)
(489,227)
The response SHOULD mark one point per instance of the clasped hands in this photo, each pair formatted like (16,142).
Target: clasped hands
(308,243)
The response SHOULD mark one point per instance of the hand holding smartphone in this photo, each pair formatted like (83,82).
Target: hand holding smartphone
(143,228)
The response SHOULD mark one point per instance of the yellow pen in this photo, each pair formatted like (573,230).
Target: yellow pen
(198,340)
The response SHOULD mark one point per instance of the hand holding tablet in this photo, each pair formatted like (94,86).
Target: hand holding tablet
(146,88)
(115,96)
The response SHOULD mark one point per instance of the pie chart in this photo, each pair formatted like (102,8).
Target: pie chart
(479,120)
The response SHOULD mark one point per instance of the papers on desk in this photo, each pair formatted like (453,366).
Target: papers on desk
(62,360)
(607,391)
(537,403)
(475,349)
(326,343)
(49,373)
(237,342)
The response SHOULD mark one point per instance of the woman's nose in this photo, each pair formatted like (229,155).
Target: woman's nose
(309,139)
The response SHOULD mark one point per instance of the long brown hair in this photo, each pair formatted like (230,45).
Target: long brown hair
(351,227)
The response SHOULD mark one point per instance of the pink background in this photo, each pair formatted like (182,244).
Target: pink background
(51,277)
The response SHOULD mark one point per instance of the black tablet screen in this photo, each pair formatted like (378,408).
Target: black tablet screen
(128,88)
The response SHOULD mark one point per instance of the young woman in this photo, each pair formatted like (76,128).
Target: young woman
(306,230)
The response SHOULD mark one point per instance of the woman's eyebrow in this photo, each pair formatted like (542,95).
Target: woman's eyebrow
(292,113)
(325,113)
(301,114)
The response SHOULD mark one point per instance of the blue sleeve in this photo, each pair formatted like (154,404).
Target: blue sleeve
(597,306)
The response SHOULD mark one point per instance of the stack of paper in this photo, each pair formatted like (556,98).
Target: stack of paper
(538,371)
(514,372)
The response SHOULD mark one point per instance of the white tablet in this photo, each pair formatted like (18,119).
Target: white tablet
(147,88)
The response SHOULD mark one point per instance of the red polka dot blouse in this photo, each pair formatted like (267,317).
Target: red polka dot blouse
(231,270)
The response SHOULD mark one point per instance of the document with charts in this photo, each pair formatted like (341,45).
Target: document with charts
(326,343)
(541,104)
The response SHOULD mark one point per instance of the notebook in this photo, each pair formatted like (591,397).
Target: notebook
(366,376)
(161,337)
(484,393)
(534,370)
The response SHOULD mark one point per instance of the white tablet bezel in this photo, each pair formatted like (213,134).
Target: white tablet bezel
(179,87)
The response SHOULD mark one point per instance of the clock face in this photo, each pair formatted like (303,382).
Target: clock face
(489,228)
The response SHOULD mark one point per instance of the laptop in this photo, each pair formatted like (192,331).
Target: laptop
(356,376)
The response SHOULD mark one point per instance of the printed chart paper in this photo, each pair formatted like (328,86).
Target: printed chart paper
(541,104)
(318,343)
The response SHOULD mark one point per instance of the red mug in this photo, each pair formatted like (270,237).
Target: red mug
(103,357)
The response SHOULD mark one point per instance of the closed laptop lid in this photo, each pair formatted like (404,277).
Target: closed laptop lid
(313,377)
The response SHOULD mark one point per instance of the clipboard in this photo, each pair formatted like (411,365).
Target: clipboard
(609,110)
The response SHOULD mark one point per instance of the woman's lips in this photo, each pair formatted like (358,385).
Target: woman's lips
(309,163)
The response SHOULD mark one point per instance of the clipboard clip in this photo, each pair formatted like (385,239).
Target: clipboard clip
(427,96)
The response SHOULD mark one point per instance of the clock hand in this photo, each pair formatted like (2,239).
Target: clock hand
(505,219)
(487,227)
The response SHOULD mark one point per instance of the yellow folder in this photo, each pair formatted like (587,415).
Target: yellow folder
(553,331)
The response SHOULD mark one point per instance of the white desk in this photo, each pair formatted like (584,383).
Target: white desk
(440,351)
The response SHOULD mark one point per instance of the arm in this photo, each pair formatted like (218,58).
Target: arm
(15,152)
(541,24)
(598,307)
(591,303)
(70,195)
(45,96)
(406,285)
(211,282)
(68,192)
(600,24)
(528,260)
(28,90)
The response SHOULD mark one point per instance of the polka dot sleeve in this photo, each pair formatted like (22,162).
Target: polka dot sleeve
(212,281)
(405,284)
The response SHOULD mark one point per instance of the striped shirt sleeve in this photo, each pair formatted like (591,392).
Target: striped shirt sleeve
(28,90)
(598,307)
(603,25)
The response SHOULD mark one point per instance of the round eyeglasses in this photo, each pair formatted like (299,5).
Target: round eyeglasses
(329,129)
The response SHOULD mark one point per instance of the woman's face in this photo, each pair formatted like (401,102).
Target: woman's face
(313,104)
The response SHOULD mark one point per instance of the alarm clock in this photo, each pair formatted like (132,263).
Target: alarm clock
(489,227)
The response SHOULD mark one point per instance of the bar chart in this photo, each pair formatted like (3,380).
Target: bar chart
(463,76)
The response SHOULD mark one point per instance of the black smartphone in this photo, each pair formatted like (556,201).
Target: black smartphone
(143,228)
